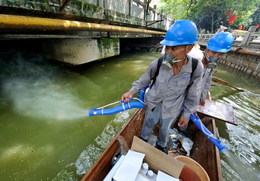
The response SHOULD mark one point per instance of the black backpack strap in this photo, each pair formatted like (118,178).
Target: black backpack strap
(159,63)
(194,65)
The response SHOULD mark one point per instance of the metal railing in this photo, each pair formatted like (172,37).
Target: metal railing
(250,39)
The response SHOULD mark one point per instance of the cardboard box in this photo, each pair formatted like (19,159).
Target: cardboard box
(156,159)
(161,176)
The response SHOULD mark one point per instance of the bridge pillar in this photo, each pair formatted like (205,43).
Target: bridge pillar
(80,51)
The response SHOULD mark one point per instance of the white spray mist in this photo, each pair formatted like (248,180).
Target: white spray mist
(43,100)
(37,90)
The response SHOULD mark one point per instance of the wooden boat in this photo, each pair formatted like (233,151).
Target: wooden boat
(204,152)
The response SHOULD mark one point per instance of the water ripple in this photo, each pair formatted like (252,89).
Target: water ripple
(241,160)
(231,173)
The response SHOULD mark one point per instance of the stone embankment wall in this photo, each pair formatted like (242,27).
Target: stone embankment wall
(243,63)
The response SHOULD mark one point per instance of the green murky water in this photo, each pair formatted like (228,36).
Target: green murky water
(46,133)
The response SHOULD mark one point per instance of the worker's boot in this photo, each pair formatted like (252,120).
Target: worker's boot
(164,150)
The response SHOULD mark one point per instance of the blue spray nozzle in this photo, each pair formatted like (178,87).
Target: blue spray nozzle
(222,148)
(92,112)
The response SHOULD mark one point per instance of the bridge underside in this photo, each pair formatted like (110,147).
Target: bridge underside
(77,51)
(73,42)
(77,32)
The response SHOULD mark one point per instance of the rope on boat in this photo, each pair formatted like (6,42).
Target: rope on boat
(206,134)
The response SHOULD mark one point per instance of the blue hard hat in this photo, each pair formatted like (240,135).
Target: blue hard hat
(220,42)
(182,32)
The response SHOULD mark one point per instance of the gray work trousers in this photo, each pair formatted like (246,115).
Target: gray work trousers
(151,119)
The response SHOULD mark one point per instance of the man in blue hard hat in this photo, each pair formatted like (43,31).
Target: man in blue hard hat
(216,47)
(176,83)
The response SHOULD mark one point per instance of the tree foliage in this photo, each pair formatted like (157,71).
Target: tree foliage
(210,14)
(256,17)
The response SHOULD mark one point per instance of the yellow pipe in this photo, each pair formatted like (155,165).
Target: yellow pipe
(14,22)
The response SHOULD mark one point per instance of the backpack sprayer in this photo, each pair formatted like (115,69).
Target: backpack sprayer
(139,103)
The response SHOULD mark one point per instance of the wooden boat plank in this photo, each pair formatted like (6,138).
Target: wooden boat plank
(199,151)
(204,153)
(218,111)
(136,127)
(217,155)
(211,162)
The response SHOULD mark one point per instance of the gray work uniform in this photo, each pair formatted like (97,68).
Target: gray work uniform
(169,94)
(206,83)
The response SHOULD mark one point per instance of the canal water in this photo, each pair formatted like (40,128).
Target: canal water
(46,133)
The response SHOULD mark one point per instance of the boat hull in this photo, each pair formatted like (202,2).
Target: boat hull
(204,152)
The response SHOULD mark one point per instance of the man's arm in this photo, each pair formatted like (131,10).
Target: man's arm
(206,87)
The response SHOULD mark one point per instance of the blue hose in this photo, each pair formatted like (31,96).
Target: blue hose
(122,107)
(196,120)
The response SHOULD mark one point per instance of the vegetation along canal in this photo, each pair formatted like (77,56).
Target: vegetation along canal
(46,133)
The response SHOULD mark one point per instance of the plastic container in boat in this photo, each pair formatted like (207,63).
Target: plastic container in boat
(151,175)
(144,169)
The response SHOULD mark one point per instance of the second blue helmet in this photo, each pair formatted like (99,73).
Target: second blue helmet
(220,42)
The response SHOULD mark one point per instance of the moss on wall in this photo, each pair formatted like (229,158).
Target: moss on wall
(108,47)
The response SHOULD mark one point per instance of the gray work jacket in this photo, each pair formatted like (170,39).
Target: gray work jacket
(206,83)
(173,91)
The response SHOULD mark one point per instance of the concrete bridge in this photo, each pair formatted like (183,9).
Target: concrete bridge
(69,30)
(81,31)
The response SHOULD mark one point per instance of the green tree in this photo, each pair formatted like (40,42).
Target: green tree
(210,14)
(256,17)
(174,8)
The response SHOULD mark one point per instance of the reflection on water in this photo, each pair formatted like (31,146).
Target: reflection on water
(242,160)
(46,133)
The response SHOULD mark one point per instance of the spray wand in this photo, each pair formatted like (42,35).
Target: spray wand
(139,103)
